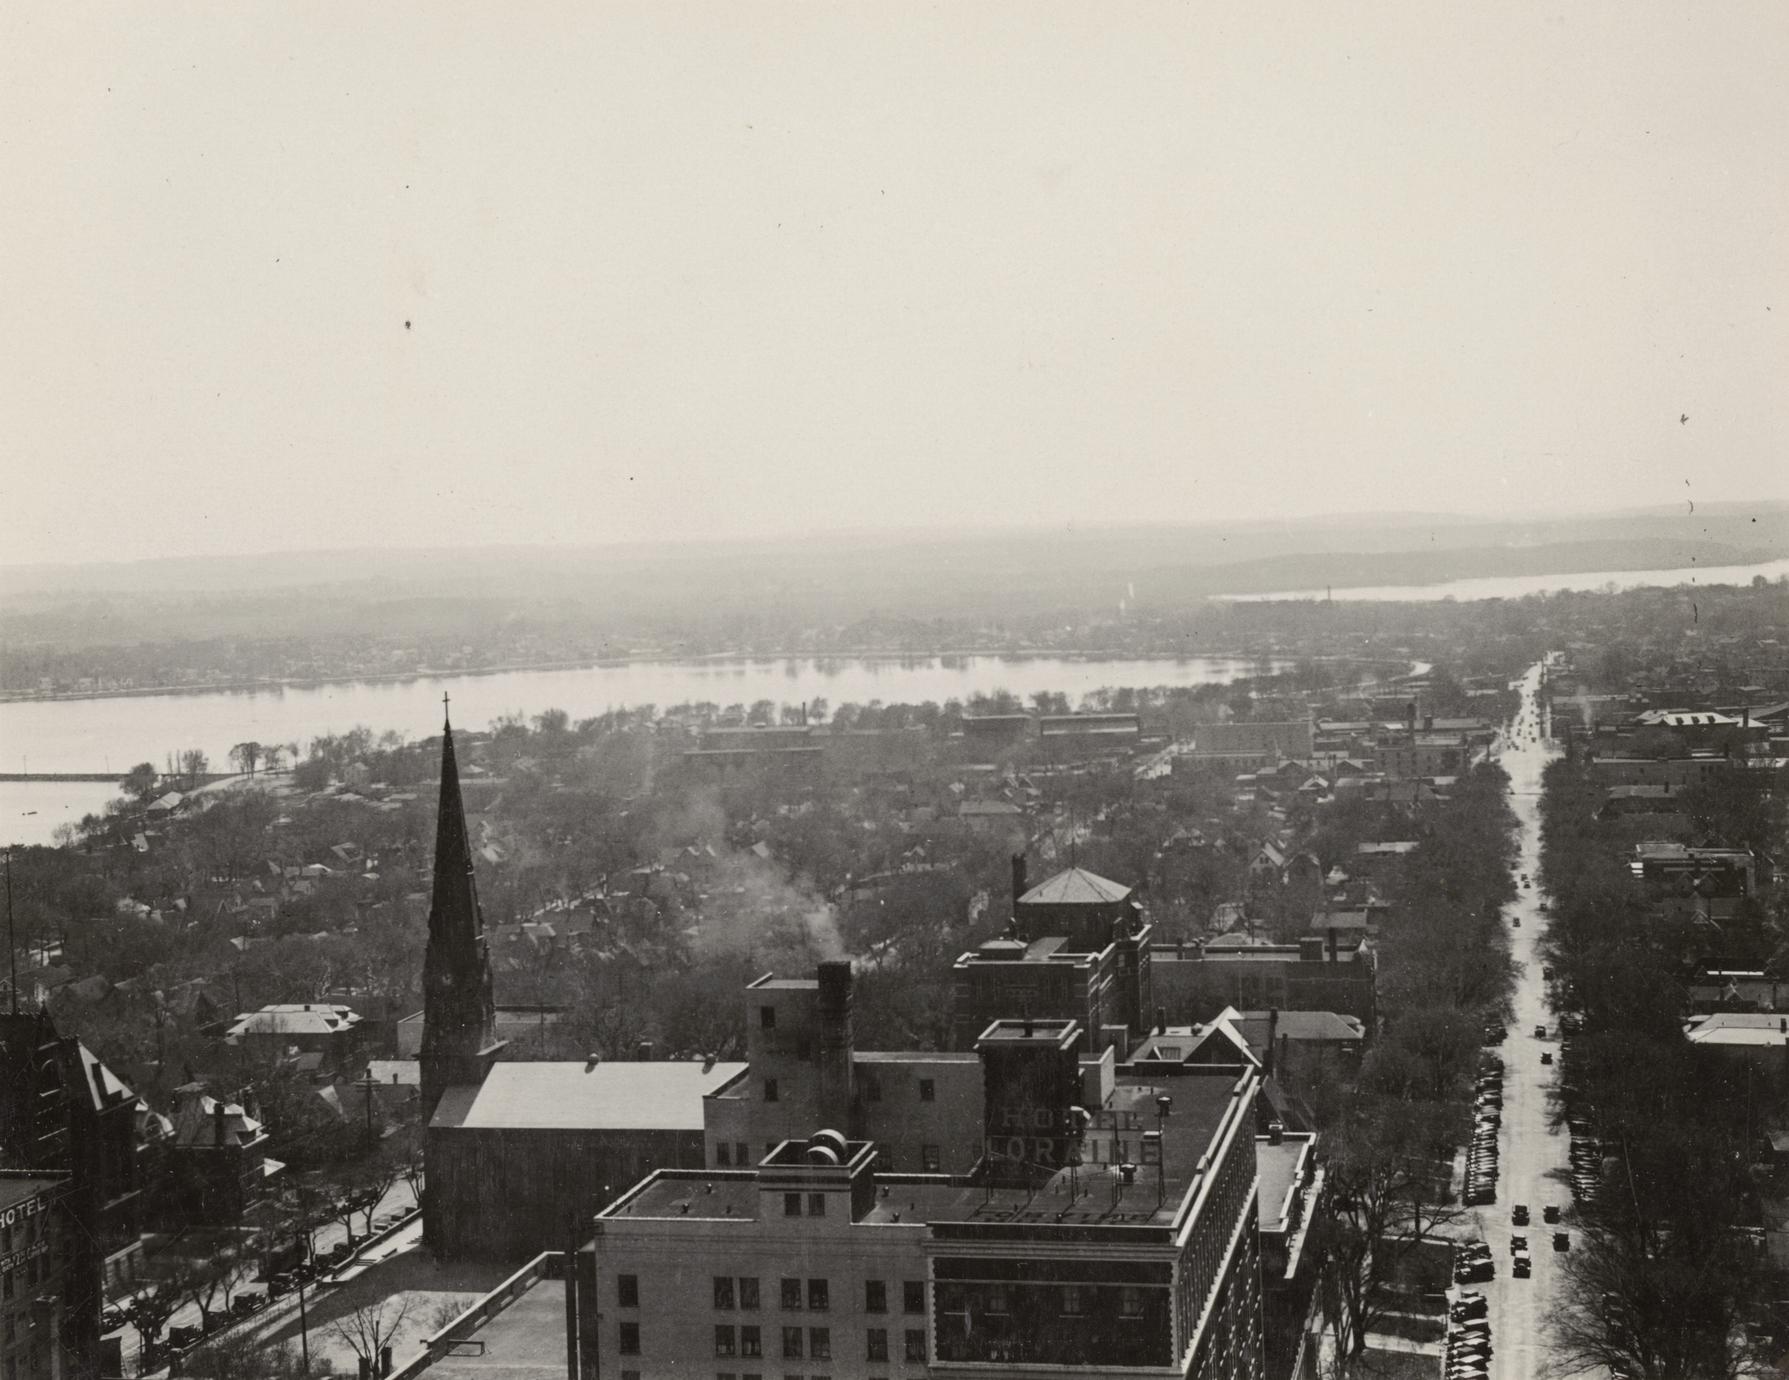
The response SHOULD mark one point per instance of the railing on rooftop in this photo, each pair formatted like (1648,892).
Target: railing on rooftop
(546,1265)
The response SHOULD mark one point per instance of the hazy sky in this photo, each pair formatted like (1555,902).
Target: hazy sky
(302,275)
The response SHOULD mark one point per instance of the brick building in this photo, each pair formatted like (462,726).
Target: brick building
(1110,1240)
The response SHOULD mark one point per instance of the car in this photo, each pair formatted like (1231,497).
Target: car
(1550,1213)
(184,1336)
(248,1301)
(1562,1241)
(1547,974)
(1521,1268)
(111,1318)
(1540,1032)
(1518,1215)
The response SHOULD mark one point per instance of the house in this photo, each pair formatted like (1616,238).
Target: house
(215,1169)
(282,1030)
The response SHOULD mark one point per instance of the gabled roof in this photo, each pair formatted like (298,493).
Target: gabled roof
(1075,887)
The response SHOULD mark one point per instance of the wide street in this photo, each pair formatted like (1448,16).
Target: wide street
(398,1198)
(1533,1155)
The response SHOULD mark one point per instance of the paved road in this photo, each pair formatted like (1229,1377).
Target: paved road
(1533,1157)
(398,1198)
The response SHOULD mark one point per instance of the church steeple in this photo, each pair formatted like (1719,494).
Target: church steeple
(459,1016)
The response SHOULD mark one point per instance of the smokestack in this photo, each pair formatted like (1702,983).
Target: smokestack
(836,1098)
(1019,887)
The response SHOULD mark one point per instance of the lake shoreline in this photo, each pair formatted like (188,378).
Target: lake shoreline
(644,659)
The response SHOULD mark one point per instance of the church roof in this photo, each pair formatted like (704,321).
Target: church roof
(551,1096)
(1075,887)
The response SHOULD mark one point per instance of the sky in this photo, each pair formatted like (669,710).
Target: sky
(294,276)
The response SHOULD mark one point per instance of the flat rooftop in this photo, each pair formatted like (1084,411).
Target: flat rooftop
(1091,1195)
(526,1341)
(1280,1168)
(17,1190)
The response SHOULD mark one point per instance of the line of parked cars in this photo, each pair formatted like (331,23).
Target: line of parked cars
(1587,1164)
(1487,1117)
(1473,1263)
(1467,1352)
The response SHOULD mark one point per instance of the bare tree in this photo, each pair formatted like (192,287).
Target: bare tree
(247,756)
(241,1354)
(201,1280)
(150,1310)
(194,764)
(368,1330)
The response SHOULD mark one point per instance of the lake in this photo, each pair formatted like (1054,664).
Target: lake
(1516,586)
(110,735)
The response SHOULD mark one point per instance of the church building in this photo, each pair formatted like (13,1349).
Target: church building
(516,1152)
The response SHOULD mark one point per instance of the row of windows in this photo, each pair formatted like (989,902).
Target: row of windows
(741,1291)
(813,1343)
(872,1089)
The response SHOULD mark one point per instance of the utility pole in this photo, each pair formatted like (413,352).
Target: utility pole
(12,943)
(368,1085)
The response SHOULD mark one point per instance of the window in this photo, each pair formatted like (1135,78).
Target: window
(876,1344)
(723,1155)
(816,1205)
(770,1093)
(820,1343)
(915,1349)
(913,1296)
(725,1375)
(630,1339)
(1152,1147)
(767,1018)
(1130,1302)
(818,1295)
(627,1290)
(751,1343)
(997,1298)
(792,1295)
(740,1155)
(791,1205)
(723,1291)
(872,1088)
(1072,1299)
(792,1342)
(928,1090)
(725,1343)
(630,1375)
(875,1296)
(748,1291)
(929,1157)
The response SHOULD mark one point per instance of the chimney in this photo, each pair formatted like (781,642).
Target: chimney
(591,1061)
(1332,944)
(836,1099)
(643,1051)
(1276,1132)
(217,1121)
(1019,887)
(1161,1020)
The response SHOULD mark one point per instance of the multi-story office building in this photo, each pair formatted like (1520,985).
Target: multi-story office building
(1115,1239)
